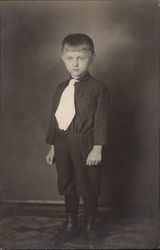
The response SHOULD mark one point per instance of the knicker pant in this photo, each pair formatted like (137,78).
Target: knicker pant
(90,206)
(74,177)
(71,204)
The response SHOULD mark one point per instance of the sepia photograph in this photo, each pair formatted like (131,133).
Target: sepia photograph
(79,124)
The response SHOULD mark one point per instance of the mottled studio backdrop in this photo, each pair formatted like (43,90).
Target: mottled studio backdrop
(126,44)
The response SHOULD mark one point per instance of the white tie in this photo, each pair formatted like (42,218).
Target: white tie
(66,108)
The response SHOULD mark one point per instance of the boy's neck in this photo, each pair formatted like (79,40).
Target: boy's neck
(83,78)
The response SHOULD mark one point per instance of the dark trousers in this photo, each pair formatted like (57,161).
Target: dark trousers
(74,177)
(72,205)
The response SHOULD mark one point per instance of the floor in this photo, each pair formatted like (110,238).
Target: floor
(35,226)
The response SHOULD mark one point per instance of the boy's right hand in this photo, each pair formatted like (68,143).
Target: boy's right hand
(50,155)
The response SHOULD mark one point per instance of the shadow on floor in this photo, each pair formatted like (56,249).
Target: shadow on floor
(35,227)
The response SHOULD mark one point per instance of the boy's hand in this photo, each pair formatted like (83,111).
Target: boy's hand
(50,155)
(95,156)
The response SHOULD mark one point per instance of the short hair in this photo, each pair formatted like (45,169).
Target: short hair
(77,40)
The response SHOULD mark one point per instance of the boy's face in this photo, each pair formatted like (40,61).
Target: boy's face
(77,59)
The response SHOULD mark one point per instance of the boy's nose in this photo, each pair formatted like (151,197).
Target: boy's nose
(75,62)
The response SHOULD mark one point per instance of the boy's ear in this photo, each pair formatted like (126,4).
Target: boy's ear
(62,56)
(93,57)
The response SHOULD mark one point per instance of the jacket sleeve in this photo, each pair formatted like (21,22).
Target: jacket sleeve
(51,133)
(101,119)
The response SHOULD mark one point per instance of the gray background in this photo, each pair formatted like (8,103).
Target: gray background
(125,36)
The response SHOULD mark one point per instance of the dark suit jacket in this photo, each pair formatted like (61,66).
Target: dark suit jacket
(92,108)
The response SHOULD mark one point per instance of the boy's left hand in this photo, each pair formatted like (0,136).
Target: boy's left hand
(95,156)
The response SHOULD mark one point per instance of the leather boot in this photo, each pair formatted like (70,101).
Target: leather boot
(90,217)
(71,222)
(69,229)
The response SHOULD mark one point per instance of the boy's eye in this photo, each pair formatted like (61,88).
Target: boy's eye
(82,58)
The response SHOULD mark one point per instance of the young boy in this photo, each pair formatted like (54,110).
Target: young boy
(78,131)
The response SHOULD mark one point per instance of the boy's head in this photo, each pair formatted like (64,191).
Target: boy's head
(77,54)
